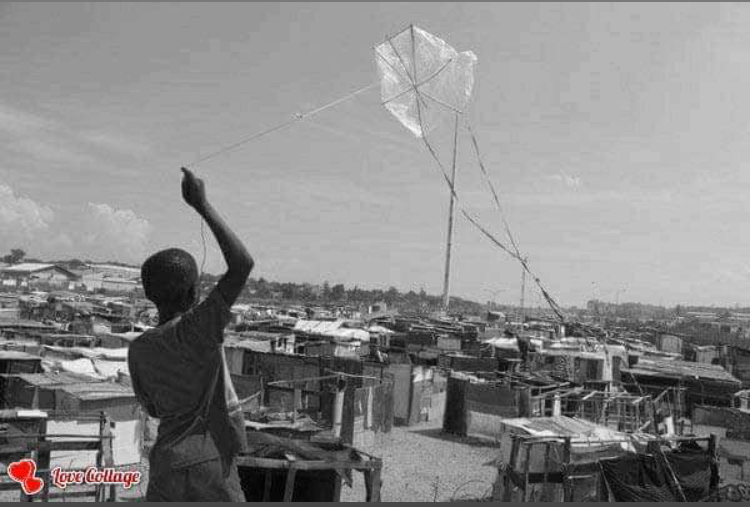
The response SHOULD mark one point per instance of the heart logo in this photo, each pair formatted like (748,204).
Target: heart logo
(24,472)
(32,485)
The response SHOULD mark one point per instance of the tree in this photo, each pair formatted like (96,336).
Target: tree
(338,292)
(288,291)
(262,290)
(392,295)
(16,256)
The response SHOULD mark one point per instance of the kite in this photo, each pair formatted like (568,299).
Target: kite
(423,80)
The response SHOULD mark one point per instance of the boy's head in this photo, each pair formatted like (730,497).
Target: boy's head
(169,279)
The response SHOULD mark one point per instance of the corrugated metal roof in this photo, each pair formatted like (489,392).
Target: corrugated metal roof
(118,354)
(334,329)
(51,378)
(24,324)
(98,390)
(254,345)
(676,368)
(27,267)
(561,426)
(14,355)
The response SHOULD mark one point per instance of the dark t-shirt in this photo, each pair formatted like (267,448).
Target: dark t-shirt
(179,376)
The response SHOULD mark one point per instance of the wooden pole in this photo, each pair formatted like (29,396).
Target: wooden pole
(291,475)
(511,467)
(567,484)
(449,241)
(43,462)
(523,291)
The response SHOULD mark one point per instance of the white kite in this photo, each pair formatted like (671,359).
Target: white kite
(423,80)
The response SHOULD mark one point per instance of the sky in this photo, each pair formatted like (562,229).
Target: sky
(616,134)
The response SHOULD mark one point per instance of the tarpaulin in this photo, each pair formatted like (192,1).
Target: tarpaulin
(648,478)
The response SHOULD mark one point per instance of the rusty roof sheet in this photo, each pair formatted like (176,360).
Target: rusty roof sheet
(676,368)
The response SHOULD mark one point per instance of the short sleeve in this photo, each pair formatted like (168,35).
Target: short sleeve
(205,323)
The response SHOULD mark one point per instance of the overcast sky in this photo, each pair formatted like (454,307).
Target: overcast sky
(616,134)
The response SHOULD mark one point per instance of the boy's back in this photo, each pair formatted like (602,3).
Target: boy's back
(176,370)
(179,373)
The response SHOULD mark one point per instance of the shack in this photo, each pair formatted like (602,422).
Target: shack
(479,406)
(705,384)
(554,459)
(36,390)
(669,343)
(419,393)
(578,366)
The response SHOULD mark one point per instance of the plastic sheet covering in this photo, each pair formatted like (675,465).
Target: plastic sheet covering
(424,81)
(647,478)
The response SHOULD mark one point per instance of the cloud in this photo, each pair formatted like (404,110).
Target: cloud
(51,140)
(98,231)
(568,180)
(21,219)
(115,234)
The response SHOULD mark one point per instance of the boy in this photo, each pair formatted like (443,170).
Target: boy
(179,372)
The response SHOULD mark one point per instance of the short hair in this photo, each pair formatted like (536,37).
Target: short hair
(168,276)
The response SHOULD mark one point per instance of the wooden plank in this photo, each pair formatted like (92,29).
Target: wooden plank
(337,488)
(291,475)
(267,486)
(43,462)
(372,485)
(297,403)
(524,480)
(526,474)
(308,392)
(99,488)
(545,487)
(510,469)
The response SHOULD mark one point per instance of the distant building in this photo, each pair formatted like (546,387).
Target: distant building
(377,308)
(37,275)
(669,343)
(702,316)
(112,278)
(116,271)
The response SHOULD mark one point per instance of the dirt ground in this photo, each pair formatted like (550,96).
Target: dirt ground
(423,465)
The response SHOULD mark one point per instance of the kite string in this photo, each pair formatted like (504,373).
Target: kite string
(475,222)
(203,259)
(508,232)
(296,117)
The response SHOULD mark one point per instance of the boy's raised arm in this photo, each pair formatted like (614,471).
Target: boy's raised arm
(239,262)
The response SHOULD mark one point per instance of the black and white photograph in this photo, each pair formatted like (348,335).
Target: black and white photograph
(374,252)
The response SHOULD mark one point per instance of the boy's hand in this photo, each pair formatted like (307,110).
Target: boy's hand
(193,190)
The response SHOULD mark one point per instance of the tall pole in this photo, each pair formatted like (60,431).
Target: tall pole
(449,242)
(523,290)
